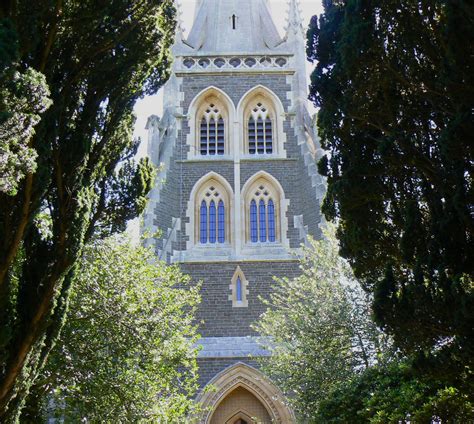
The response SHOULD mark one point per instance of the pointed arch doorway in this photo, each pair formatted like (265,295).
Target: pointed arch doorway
(243,395)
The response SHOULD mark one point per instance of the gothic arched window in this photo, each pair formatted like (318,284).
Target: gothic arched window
(212,203)
(239,289)
(262,219)
(260,130)
(212,131)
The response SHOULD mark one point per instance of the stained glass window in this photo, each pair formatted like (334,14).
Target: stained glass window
(212,222)
(271,221)
(253,221)
(203,213)
(238,291)
(221,222)
(262,220)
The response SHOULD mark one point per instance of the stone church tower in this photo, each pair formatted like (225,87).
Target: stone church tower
(238,192)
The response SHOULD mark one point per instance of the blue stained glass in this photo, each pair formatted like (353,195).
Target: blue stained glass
(271,221)
(221,222)
(212,222)
(262,221)
(203,232)
(238,293)
(253,222)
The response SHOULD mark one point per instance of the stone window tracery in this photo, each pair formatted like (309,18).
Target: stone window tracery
(211,200)
(262,213)
(212,217)
(263,116)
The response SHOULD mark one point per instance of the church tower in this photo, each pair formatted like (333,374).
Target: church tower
(238,192)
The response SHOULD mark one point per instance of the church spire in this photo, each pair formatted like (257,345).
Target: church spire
(233,26)
(294,19)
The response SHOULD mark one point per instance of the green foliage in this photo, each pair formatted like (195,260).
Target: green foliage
(23,98)
(319,329)
(394,82)
(332,361)
(125,353)
(393,394)
(97,59)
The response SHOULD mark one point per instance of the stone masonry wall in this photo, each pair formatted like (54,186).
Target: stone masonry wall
(183,173)
(216,313)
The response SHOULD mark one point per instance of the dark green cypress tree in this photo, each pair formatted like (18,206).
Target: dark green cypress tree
(394,82)
(98,58)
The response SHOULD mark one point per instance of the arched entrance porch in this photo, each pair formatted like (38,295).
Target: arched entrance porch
(243,395)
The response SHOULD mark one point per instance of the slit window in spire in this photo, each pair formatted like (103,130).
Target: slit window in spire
(234,19)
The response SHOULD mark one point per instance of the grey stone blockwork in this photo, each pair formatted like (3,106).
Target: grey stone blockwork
(216,315)
(182,174)
(208,368)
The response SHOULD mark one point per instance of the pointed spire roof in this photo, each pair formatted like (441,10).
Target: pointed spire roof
(233,26)
(295,24)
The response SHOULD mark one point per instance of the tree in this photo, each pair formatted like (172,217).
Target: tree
(395,88)
(23,98)
(318,329)
(391,394)
(98,58)
(332,361)
(125,353)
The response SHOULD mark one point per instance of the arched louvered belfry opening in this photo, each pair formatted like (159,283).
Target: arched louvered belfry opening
(262,115)
(210,114)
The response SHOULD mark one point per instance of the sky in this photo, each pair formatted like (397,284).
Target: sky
(152,105)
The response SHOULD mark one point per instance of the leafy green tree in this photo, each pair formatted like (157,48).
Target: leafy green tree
(125,353)
(394,394)
(319,329)
(23,98)
(97,58)
(394,82)
(332,361)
